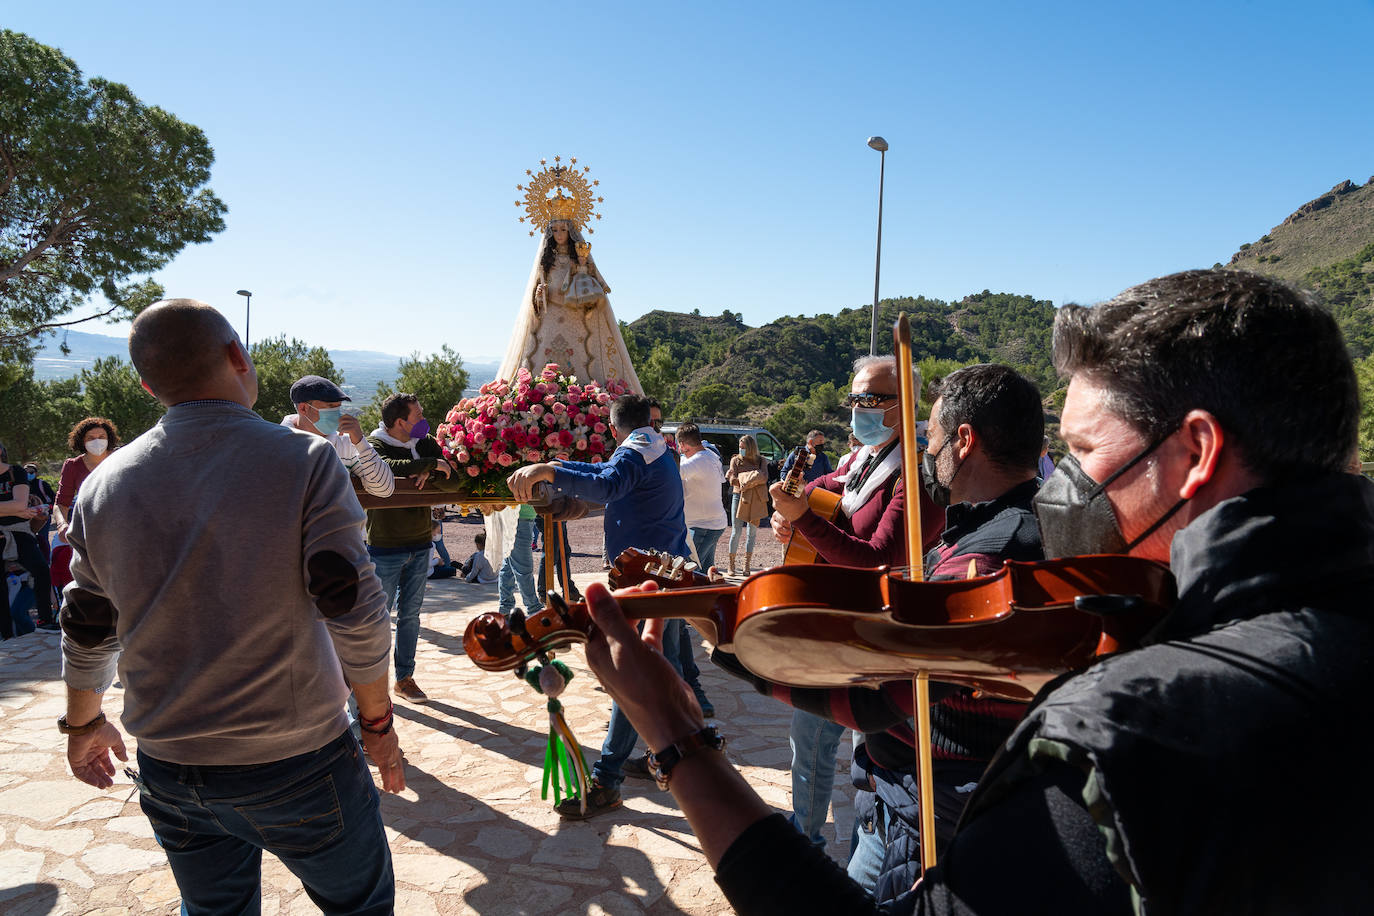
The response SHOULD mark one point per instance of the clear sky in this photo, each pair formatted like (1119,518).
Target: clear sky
(369,153)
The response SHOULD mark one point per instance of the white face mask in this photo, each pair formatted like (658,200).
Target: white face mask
(97,446)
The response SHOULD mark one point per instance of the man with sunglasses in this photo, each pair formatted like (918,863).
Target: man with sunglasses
(1210,417)
(868,530)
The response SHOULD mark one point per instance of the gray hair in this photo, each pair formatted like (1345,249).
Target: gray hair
(889,365)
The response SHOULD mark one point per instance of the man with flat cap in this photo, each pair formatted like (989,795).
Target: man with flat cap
(319,411)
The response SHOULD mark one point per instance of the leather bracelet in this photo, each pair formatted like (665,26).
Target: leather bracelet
(661,763)
(86,729)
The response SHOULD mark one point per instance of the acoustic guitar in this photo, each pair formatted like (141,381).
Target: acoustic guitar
(821,502)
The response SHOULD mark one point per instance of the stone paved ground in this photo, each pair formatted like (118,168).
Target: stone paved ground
(469,835)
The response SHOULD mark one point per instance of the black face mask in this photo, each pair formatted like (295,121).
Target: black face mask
(938,492)
(1076,518)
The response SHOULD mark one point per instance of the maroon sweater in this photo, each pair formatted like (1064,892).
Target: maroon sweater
(876,534)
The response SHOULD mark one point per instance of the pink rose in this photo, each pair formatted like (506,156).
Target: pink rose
(503,389)
(462,456)
(536,410)
(574,392)
(472,470)
(549,400)
(580,445)
(549,419)
(599,427)
(560,408)
(533,457)
(595,459)
(603,398)
(551,440)
(505,460)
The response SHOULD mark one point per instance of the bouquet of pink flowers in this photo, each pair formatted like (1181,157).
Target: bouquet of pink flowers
(525,421)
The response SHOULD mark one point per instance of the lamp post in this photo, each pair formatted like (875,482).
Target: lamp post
(879,144)
(248,307)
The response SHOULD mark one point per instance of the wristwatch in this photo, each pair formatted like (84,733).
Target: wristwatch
(86,729)
(661,763)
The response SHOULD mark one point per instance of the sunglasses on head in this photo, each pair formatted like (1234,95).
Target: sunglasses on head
(867,399)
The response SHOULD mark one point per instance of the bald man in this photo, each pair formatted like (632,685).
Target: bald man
(218,567)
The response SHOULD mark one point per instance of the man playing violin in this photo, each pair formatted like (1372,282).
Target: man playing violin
(1210,416)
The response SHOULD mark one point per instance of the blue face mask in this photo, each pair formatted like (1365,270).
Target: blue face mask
(328,420)
(868,425)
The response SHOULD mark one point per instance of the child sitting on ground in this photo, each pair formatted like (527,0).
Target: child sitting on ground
(477,569)
(440,566)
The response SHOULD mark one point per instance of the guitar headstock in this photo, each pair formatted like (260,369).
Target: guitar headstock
(795,480)
(634,566)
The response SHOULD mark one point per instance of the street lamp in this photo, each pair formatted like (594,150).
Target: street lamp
(879,144)
(248,306)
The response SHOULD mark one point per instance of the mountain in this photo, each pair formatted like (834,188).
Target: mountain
(1326,245)
(362,369)
(1331,228)
(789,356)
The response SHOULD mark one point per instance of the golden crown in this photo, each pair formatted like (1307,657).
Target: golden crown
(545,201)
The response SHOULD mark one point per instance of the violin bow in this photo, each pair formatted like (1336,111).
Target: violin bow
(911,399)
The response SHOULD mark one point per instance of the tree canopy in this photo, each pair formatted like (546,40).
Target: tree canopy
(96,188)
(279,363)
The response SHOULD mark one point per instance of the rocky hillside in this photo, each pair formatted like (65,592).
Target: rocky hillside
(1326,245)
(1333,227)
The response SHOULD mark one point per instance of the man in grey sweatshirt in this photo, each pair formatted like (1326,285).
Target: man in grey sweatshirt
(219,566)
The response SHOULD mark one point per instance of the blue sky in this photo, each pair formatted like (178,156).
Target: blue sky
(369,153)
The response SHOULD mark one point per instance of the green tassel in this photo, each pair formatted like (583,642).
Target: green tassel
(557,755)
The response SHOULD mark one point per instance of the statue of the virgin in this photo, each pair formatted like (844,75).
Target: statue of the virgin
(565,316)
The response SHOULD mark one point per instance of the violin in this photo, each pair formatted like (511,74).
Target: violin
(1006,634)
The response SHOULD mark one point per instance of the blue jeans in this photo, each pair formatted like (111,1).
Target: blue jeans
(736,524)
(518,569)
(317,812)
(705,540)
(868,845)
(621,736)
(407,572)
(814,743)
(686,659)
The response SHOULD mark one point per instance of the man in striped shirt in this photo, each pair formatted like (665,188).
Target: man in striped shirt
(319,411)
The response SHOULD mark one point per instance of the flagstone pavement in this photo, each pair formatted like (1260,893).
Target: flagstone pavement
(470,834)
